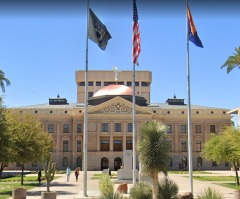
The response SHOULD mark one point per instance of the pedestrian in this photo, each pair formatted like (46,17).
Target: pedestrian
(39,176)
(68,173)
(77,173)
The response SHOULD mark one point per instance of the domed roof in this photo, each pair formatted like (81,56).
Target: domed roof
(114,89)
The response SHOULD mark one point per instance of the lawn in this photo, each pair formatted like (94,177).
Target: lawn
(10,183)
(230,179)
(215,178)
(98,176)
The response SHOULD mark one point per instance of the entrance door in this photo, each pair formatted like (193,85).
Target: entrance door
(117,163)
(104,163)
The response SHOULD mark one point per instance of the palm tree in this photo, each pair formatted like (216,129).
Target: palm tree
(153,151)
(2,80)
(233,60)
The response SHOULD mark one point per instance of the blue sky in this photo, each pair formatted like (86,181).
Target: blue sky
(43,43)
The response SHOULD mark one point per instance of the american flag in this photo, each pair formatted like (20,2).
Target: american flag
(136,34)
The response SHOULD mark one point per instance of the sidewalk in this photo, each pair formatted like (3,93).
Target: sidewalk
(74,190)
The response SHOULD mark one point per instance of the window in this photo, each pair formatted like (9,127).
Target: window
(66,128)
(214,164)
(108,83)
(184,146)
(130,127)
(79,146)
(128,144)
(170,163)
(118,127)
(79,128)
(90,83)
(65,146)
(98,83)
(144,84)
(117,145)
(169,129)
(19,164)
(90,94)
(183,128)
(34,164)
(50,128)
(104,127)
(198,146)
(79,162)
(212,129)
(65,162)
(82,84)
(198,128)
(129,83)
(199,162)
(136,83)
(170,143)
(104,145)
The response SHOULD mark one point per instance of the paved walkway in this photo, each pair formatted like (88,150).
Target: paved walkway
(74,190)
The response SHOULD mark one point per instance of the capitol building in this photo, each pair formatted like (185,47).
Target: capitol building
(110,123)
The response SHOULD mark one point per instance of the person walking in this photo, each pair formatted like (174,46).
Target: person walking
(77,173)
(68,173)
(39,176)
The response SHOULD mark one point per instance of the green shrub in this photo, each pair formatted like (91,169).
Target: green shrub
(210,193)
(105,185)
(114,195)
(168,189)
(141,190)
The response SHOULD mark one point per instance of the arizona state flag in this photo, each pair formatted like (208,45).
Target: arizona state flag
(98,32)
(192,32)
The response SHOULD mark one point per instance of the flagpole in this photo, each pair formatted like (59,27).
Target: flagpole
(189,112)
(85,136)
(134,129)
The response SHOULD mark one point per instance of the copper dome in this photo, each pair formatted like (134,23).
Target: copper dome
(114,89)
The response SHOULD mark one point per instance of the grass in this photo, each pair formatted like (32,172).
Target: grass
(6,188)
(98,176)
(215,178)
(10,183)
(187,172)
(231,185)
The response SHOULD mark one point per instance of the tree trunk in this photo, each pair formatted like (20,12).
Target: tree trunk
(48,186)
(155,185)
(2,165)
(236,173)
(22,174)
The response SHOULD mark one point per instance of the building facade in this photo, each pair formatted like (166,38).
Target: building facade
(110,123)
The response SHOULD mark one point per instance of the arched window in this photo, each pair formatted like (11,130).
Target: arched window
(65,162)
(199,161)
(79,162)
(170,163)
(117,163)
(214,164)
(104,163)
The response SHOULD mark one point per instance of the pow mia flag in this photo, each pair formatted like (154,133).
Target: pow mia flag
(98,32)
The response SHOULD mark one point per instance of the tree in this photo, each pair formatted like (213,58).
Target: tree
(153,148)
(3,80)
(233,61)
(224,147)
(30,141)
(5,139)
(27,140)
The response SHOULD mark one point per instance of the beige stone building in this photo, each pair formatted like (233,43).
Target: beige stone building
(110,122)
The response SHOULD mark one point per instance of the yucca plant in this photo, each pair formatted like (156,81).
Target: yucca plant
(210,193)
(168,189)
(141,190)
